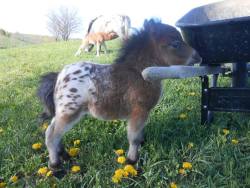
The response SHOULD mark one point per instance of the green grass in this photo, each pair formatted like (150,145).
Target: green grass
(216,161)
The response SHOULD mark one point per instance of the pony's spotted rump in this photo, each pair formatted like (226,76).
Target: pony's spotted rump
(116,91)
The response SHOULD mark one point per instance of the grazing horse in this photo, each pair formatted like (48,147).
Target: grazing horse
(115,91)
(119,24)
(97,39)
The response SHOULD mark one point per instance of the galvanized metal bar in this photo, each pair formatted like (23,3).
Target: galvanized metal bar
(179,72)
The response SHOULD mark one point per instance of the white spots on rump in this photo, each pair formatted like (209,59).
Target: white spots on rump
(74,87)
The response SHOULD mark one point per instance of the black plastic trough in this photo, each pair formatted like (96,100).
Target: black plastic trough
(220,32)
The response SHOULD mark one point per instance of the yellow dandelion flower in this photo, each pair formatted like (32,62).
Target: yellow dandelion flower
(192,94)
(187,165)
(2,184)
(77,142)
(121,159)
(37,146)
(173,185)
(190,145)
(235,141)
(225,131)
(182,171)
(49,173)
(43,171)
(131,170)
(45,126)
(183,116)
(75,169)
(14,179)
(121,173)
(1,130)
(119,152)
(73,152)
(116,179)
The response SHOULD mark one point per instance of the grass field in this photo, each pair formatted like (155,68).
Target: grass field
(173,133)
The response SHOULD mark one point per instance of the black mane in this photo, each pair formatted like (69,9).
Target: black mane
(138,41)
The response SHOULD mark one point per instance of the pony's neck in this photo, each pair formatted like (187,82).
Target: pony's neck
(138,61)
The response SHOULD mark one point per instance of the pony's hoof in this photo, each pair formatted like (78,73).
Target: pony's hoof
(64,155)
(55,166)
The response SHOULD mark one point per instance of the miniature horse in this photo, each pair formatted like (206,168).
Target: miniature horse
(97,39)
(116,91)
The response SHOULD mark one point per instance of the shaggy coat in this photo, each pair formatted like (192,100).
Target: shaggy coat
(116,91)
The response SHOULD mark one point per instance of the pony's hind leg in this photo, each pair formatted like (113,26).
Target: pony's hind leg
(105,47)
(59,125)
(135,128)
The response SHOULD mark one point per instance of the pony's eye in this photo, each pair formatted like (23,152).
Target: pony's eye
(176,44)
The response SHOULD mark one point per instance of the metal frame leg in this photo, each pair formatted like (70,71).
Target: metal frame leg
(204,100)
(240,74)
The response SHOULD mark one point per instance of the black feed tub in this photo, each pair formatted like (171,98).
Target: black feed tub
(220,32)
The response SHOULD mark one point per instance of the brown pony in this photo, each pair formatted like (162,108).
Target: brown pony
(97,39)
(116,91)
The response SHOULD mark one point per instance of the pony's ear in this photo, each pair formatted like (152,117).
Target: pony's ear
(151,25)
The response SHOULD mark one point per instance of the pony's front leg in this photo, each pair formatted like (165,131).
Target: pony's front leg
(135,128)
(79,50)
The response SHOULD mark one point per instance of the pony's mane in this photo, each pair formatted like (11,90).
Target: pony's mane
(137,42)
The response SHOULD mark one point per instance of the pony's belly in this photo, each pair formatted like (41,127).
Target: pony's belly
(105,113)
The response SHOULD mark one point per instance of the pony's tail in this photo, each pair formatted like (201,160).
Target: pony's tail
(45,93)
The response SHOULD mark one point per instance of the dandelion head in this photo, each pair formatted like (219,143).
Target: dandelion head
(225,131)
(119,152)
(235,141)
(182,171)
(2,184)
(187,165)
(37,146)
(192,94)
(49,173)
(75,169)
(173,185)
(183,116)
(131,170)
(121,159)
(77,142)
(14,179)
(116,179)
(190,145)
(45,126)
(43,171)
(73,152)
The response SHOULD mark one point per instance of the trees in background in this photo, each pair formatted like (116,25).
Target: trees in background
(63,22)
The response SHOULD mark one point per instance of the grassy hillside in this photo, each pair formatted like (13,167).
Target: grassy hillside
(8,40)
(173,133)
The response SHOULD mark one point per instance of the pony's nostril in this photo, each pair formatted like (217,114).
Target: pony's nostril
(196,57)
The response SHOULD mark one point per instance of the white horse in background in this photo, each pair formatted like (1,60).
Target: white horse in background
(120,24)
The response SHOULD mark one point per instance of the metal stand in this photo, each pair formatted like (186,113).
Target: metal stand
(204,100)
(240,74)
(231,99)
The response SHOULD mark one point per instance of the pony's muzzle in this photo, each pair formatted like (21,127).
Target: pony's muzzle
(195,58)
